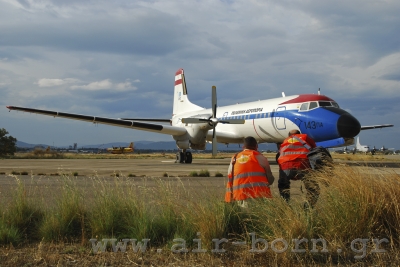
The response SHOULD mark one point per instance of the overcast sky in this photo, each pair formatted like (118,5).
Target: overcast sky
(118,59)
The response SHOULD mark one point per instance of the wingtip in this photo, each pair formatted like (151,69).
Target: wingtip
(9,107)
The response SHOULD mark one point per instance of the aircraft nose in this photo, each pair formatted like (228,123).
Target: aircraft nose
(348,126)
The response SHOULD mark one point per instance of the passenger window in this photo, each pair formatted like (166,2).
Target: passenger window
(313,105)
(304,106)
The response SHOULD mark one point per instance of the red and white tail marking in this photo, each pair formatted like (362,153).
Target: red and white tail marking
(181,101)
(178,77)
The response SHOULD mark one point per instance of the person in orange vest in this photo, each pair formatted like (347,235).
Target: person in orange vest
(294,165)
(249,175)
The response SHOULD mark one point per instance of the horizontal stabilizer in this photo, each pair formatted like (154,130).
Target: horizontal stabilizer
(201,120)
(232,121)
(376,126)
(194,120)
(153,120)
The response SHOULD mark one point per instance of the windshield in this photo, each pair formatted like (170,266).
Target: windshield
(312,105)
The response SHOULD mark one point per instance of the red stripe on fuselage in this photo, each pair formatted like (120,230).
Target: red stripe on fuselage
(306,98)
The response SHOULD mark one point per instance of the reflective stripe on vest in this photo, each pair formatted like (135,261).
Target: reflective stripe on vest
(293,148)
(261,184)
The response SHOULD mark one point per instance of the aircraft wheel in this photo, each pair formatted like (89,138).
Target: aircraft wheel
(188,157)
(180,157)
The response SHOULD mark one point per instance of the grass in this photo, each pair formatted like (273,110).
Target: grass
(201,173)
(21,218)
(218,174)
(65,220)
(355,208)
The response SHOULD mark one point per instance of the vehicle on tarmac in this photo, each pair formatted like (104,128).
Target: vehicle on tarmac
(121,150)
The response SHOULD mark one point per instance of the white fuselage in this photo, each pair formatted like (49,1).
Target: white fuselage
(259,121)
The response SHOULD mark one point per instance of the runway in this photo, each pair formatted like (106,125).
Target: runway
(43,175)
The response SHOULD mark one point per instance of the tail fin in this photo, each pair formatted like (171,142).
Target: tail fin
(131,145)
(181,101)
(358,145)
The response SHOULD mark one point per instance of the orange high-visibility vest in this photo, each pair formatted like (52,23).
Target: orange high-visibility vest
(292,149)
(249,181)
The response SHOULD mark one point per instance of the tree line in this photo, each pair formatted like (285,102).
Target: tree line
(7,144)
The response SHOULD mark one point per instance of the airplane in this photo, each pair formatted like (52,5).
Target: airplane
(121,150)
(386,150)
(361,148)
(344,150)
(269,121)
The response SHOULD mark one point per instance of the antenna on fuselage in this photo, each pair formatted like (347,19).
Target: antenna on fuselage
(319,91)
(283,94)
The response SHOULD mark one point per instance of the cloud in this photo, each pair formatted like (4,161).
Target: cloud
(105,85)
(44,82)
(120,56)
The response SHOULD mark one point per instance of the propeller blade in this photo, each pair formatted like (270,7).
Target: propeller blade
(214,101)
(194,120)
(232,121)
(214,144)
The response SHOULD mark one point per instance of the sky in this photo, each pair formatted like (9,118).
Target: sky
(118,59)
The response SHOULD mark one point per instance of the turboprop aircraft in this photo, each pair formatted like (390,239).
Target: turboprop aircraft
(386,150)
(269,121)
(121,150)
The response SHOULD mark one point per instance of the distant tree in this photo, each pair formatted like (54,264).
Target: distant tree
(7,143)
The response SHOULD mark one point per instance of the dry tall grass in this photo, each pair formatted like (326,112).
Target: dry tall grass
(356,219)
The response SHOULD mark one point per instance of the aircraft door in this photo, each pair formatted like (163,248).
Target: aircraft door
(279,118)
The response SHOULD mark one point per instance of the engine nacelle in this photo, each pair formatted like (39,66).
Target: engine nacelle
(184,144)
(198,146)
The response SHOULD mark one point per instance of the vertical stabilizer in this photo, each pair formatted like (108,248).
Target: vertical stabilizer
(181,101)
(358,145)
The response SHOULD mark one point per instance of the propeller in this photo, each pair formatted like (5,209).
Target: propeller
(213,120)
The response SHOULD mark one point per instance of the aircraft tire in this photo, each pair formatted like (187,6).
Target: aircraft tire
(188,157)
(180,157)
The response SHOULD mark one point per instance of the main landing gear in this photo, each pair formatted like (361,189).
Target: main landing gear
(184,157)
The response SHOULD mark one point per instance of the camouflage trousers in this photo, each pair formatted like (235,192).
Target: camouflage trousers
(312,187)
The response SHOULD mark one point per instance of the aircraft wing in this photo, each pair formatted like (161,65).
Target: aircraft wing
(376,126)
(150,127)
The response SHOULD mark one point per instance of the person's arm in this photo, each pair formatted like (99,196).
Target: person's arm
(311,142)
(263,161)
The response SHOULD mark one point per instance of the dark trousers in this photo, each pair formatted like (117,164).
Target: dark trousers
(311,185)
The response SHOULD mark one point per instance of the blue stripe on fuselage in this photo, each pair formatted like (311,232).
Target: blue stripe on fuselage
(319,123)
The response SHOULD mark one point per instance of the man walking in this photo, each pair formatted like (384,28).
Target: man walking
(294,164)
(249,175)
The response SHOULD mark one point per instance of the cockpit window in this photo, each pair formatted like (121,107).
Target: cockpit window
(304,106)
(324,104)
(313,105)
